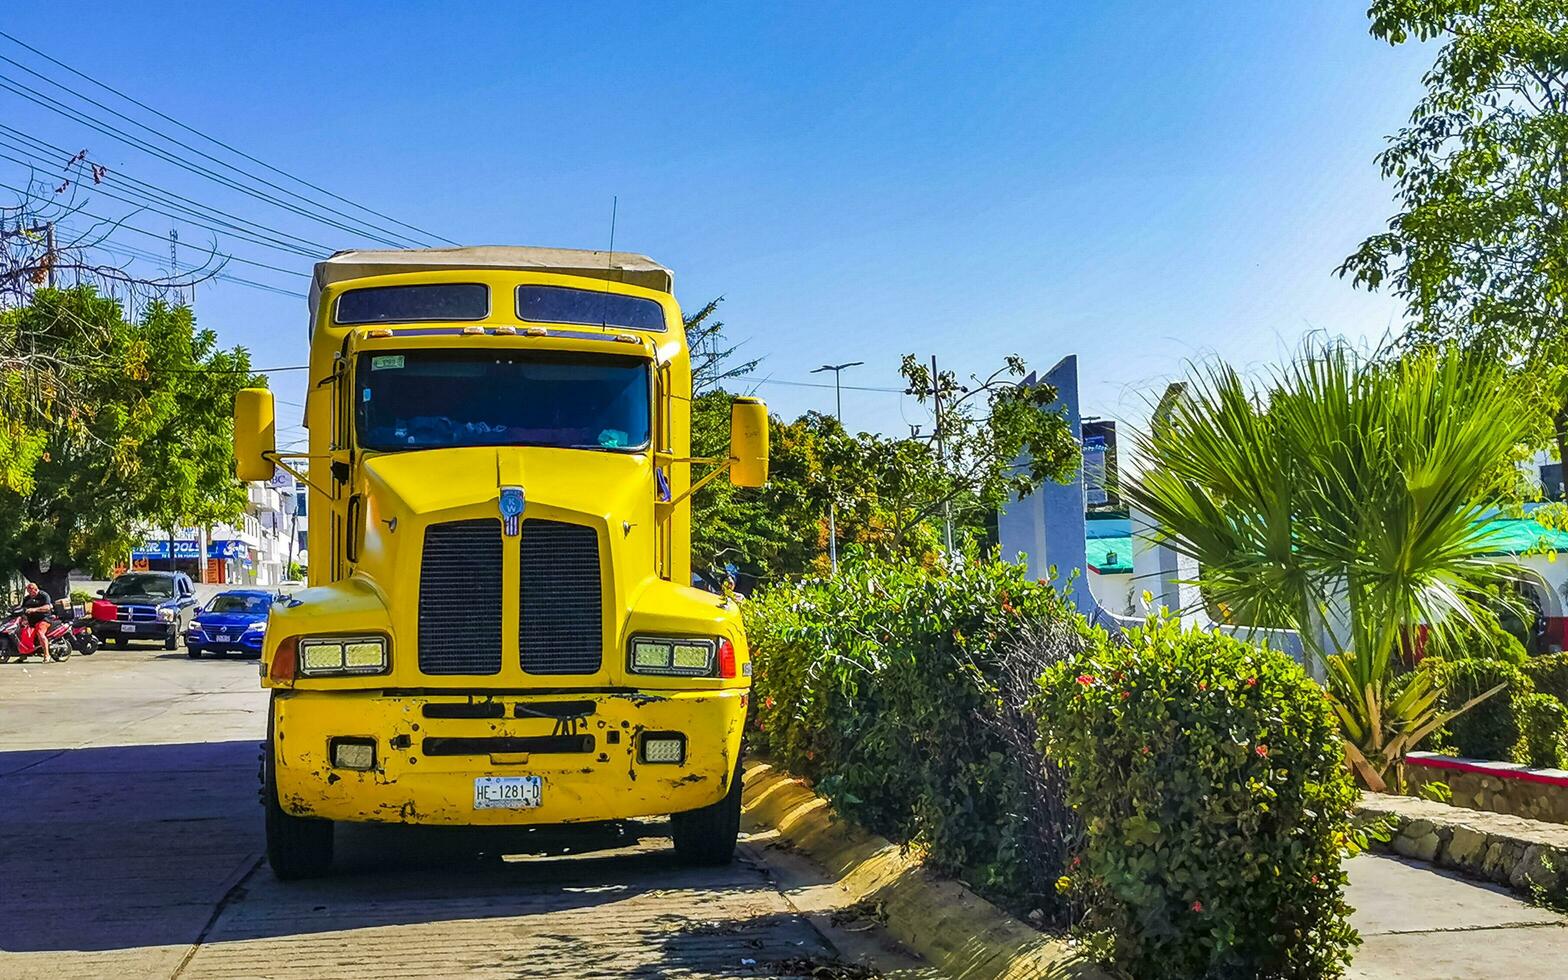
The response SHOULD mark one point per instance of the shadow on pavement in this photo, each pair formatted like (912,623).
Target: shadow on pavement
(133,846)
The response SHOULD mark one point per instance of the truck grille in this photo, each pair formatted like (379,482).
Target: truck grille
(460,598)
(560,623)
(135,614)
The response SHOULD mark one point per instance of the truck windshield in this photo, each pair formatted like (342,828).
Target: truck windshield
(151,586)
(436,399)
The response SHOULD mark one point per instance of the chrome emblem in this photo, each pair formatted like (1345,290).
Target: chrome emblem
(512,504)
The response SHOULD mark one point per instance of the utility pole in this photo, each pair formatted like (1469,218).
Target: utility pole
(838,413)
(49,245)
(941,455)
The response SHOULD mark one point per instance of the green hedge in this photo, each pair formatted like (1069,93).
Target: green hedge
(893,688)
(1210,775)
(1549,674)
(1543,721)
(1491,729)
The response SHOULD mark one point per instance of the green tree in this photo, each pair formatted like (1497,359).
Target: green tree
(1348,485)
(891,494)
(711,353)
(1479,249)
(140,439)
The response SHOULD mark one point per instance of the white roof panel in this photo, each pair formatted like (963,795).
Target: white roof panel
(627,267)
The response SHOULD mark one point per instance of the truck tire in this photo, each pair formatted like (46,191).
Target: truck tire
(707,836)
(297,847)
(170,641)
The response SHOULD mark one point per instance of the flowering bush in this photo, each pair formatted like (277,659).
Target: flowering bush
(1211,780)
(899,691)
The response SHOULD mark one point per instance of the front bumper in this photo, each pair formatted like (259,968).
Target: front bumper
(424,775)
(139,630)
(239,641)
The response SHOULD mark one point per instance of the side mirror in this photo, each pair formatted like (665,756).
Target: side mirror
(255,435)
(748,442)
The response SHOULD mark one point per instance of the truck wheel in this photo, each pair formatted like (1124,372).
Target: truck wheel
(118,642)
(297,847)
(192,652)
(170,641)
(707,836)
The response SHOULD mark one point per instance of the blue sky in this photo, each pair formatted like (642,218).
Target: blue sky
(1136,183)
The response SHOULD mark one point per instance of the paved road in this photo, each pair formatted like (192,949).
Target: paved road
(134,851)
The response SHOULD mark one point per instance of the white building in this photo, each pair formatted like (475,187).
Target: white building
(254,550)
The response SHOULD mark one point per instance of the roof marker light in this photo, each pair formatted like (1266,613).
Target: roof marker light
(473,331)
(535,332)
(378,332)
(505,331)
(626,338)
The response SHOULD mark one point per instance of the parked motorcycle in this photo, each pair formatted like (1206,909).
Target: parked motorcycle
(83,638)
(18,643)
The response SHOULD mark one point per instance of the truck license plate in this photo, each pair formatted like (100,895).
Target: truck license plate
(127,629)
(506,792)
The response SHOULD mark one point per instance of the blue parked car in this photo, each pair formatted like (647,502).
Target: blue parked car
(232,622)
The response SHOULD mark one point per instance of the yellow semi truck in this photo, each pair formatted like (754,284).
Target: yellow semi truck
(499,627)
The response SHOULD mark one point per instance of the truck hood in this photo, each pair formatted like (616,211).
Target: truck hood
(406,493)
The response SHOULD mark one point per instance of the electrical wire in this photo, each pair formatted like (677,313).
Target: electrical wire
(248,237)
(118,225)
(114,132)
(31,148)
(218,142)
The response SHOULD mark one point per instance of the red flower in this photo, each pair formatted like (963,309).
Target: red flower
(1203,685)
(1007,607)
(1252,682)
(767,702)
(1126,695)
(1086,679)
(1314,879)
(1197,906)
(1077,860)
(1261,750)
(1145,750)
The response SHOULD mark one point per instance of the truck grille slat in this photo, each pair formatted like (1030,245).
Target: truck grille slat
(560,623)
(460,598)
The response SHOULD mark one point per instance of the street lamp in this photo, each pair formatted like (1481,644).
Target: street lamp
(838,413)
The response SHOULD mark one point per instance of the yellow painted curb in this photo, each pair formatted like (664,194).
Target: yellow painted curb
(954,929)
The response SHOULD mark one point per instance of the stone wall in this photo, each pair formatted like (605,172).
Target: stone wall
(1499,787)
(1526,855)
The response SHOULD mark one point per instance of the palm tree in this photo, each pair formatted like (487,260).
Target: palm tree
(1341,500)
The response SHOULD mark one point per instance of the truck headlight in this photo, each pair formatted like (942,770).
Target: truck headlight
(678,656)
(342,655)
(166,614)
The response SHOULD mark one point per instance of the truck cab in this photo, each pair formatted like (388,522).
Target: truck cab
(499,627)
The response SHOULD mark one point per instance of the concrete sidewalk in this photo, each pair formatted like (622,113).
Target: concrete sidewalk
(1421,923)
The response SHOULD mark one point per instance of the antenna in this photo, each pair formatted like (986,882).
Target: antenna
(609,263)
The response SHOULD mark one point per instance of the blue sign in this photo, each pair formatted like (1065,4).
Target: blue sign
(190,550)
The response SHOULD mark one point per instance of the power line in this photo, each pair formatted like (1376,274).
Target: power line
(34,148)
(114,132)
(813,384)
(218,142)
(121,225)
(119,248)
(245,236)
